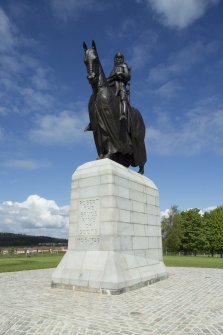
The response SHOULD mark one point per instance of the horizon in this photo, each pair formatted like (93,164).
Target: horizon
(174,50)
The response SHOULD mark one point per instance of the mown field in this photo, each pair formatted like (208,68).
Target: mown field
(192,261)
(34,262)
(20,263)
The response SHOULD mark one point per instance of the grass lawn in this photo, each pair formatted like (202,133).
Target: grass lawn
(192,261)
(20,263)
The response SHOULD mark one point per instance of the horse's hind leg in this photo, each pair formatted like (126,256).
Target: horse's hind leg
(141,169)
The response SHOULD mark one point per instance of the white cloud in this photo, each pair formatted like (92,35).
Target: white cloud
(9,34)
(180,13)
(123,30)
(141,49)
(63,128)
(208,209)
(36,216)
(26,164)
(8,39)
(22,74)
(166,213)
(36,100)
(167,79)
(182,61)
(169,89)
(40,78)
(73,8)
(200,131)
(1,131)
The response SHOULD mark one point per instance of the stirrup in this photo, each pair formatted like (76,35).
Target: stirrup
(122,117)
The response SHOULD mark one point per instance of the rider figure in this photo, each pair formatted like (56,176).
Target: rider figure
(120,77)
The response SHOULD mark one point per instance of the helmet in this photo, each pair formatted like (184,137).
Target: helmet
(119,58)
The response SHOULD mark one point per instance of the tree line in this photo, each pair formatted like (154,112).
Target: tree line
(191,232)
(22,240)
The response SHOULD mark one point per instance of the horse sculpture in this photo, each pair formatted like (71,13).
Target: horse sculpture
(121,141)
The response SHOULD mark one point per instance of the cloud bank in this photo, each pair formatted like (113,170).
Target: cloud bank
(168,76)
(19,60)
(26,164)
(36,98)
(200,131)
(180,14)
(34,216)
(74,8)
(39,216)
(166,213)
(66,127)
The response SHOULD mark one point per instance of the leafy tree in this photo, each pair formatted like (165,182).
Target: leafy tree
(214,226)
(194,235)
(171,230)
(191,232)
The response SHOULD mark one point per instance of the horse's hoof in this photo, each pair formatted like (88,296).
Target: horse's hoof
(88,128)
(108,155)
(100,157)
(141,170)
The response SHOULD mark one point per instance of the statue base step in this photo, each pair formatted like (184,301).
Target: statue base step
(107,272)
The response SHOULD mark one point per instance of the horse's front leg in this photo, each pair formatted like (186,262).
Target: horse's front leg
(88,128)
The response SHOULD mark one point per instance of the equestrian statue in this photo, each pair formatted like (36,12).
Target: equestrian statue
(118,128)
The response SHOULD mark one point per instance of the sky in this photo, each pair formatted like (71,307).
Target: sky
(175,50)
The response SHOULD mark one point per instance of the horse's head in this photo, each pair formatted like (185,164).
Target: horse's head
(92,63)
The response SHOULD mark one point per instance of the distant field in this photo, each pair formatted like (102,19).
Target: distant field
(20,263)
(192,261)
(34,262)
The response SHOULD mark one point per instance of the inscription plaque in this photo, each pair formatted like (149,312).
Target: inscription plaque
(89,217)
(87,243)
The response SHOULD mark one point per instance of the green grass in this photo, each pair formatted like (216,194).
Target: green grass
(20,263)
(192,261)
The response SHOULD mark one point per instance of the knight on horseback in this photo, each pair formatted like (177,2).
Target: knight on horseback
(118,140)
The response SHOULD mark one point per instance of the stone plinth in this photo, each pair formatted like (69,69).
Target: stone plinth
(114,234)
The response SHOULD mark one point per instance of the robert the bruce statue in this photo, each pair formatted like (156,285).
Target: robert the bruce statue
(118,128)
(120,77)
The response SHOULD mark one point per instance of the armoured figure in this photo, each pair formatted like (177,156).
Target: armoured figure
(119,78)
(121,141)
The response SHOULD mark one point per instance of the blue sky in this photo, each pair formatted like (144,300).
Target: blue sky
(174,48)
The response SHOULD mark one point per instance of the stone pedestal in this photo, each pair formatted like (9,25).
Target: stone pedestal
(114,233)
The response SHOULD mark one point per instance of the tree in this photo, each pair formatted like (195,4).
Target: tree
(194,237)
(171,230)
(214,226)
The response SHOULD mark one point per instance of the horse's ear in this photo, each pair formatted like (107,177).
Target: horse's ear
(93,45)
(85,46)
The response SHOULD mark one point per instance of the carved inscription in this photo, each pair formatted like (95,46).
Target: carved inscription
(88,242)
(89,217)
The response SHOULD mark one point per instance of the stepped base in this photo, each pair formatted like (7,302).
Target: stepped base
(115,241)
(106,272)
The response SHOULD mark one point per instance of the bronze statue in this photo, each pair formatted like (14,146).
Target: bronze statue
(118,133)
